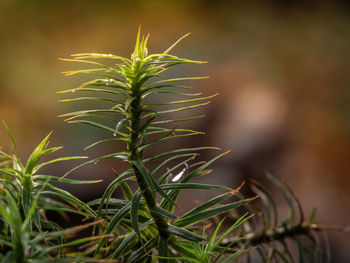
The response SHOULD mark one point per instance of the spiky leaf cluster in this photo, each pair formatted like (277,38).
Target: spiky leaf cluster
(149,223)
(26,195)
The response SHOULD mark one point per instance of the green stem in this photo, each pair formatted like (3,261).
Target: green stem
(136,110)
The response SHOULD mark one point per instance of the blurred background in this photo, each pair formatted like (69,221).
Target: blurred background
(281,68)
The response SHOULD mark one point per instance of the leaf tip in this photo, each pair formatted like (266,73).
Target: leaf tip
(227,152)
(254,198)
(66,91)
(234,191)
(68,119)
(62,177)
(205,172)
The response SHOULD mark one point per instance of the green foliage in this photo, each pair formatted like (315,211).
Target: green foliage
(26,233)
(289,239)
(143,227)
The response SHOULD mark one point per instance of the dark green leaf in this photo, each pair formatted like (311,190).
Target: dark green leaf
(134,213)
(196,217)
(182,232)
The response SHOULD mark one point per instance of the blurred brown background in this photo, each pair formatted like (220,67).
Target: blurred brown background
(281,68)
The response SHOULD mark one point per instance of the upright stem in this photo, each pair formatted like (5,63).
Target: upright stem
(136,110)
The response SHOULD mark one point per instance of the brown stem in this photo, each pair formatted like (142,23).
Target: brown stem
(279,233)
